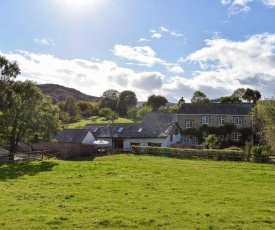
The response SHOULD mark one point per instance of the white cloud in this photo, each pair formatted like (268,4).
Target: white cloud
(144,40)
(91,77)
(230,65)
(44,41)
(175,69)
(156,35)
(242,6)
(269,3)
(142,54)
(217,70)
(175,34)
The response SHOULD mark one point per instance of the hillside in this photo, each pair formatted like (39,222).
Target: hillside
(59,93)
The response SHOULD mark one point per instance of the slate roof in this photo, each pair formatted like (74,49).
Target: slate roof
(72,135)
(131,130)
(159,117)
(215,108)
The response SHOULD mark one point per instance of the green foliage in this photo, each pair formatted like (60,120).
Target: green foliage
(212,142)
(88,109)
(104,112)
(29,115)
(69,110)
(263,114)
(142,111)
(8,70)
(199,97)
(156,101)
(109,99)
(260,154)
(251,95)
(126,100)
(231,99)
(132,113)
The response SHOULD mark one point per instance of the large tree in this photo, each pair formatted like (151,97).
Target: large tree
(264,118)
(251,95)
(126,99)
(199,97)
(109,99)
(156,102)
(28,115)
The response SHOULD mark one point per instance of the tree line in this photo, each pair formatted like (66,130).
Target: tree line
(26,114)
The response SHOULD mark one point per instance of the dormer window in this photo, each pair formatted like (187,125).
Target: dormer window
(95,129)
(140,130)
(120,129)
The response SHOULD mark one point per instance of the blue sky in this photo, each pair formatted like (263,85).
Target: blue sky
(163,47)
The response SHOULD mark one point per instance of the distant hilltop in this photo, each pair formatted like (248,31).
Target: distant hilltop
(59,93)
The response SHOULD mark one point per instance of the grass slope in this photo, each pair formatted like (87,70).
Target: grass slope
(137,192)
(95,120)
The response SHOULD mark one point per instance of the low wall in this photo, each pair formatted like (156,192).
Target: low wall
(67,150)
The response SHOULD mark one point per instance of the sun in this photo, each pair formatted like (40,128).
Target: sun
(80,3)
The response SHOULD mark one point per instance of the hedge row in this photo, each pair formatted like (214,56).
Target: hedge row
(226,155)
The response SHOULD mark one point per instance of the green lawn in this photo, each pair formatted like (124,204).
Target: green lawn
(96,120)
(137,192)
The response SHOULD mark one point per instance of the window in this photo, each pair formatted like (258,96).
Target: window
(120,129)
(154,144)
(134,144)
(221,120)
(186,140)
(205,120)
(221,137)
(189,124)
(140,130)
(171,137)
(176,131)
(195,140)
(204,134)
(95,129)
(237,136)
(170,119)
(238,121)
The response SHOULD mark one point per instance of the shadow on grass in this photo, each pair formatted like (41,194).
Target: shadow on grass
(84,158)
(18,169)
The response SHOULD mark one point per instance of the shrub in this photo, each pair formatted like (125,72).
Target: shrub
(212,142)
(260,154)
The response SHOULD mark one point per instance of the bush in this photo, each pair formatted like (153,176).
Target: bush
(212,142)
(260,154)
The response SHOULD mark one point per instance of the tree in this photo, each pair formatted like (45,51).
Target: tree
(8,70)
(263,116)
(132,113)
(126,99)
(70,111)
(142,111)
(238,93)
(251,95)
(199,97)
(30,115)
(231,99)
(109,99)
(156,102)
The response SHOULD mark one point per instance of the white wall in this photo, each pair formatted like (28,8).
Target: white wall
(89,139)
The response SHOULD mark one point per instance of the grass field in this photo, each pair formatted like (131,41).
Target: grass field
(137,192)
(96,120)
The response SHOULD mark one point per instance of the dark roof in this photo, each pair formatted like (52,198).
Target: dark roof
(72,135)
(159,117)
(216,108)
(131,130)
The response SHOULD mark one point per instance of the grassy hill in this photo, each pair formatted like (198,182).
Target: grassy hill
(59,93)
(137,192)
